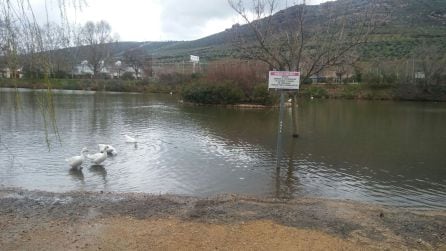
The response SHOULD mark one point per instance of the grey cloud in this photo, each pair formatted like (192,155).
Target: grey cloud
(186,18)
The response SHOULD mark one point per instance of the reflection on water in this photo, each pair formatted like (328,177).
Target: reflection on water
(380,152)
(77,174)
(290,184)
(99,170)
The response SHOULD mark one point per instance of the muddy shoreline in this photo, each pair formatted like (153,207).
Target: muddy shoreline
(29,218)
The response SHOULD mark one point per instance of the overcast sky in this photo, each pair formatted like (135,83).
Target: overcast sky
(156,20)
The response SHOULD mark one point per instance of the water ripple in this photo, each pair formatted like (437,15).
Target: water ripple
(207,151)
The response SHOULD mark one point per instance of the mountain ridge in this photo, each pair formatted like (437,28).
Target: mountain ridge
(411,23)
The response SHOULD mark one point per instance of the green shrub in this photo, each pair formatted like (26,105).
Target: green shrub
(205,93)
(315,91)
(174,79)
(127,76)
(382,78)
(67,84)
(261,95)
(158,88)
(60,74)
(307,81)
(350,91)
(196,76)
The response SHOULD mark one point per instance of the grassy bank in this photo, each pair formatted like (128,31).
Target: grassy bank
(227,93)
(376,92)
(203,91)
(114,85)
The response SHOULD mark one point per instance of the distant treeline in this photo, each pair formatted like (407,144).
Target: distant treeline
(232,88)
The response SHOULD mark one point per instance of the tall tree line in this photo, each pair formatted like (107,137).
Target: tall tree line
(48,48)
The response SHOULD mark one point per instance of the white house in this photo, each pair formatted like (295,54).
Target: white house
(7,73)
(116,70)
(82,69)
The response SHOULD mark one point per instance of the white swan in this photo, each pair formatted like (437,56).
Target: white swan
(76,161)
(129,139)
(98,158)
(111,150)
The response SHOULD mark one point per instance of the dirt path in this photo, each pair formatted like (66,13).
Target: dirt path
(95,221)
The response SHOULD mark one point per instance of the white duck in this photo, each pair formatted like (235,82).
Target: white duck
(129,139)
(98,158)
(76,161)
(111,150)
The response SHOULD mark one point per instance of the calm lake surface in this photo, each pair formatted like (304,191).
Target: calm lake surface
(391,153)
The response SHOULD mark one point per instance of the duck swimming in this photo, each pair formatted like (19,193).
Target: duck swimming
(100,157)
(76,161)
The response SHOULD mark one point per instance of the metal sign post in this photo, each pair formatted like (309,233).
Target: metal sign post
(280,131)
(194,60)
(282,81)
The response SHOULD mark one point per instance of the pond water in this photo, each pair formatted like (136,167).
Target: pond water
(391,153)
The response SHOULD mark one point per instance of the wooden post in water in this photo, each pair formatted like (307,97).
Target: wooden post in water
(280,131)
(294,115)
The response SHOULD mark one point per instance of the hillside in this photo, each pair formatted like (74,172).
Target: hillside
(412,23)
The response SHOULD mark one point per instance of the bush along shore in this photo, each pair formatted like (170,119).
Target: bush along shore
(199,90)
(407,92)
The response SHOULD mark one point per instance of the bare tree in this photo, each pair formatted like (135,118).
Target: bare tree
(288,41)
(55,42)
(98,40)
(22,38)
(136,59)
(10,36)
(148,66)
(430,66)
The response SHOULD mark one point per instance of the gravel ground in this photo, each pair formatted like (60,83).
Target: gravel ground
(34,220)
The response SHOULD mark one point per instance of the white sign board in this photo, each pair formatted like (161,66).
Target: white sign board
(288,80)
(194,59)
(420,75)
